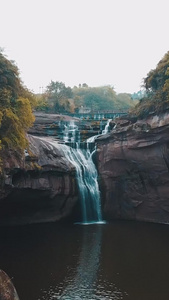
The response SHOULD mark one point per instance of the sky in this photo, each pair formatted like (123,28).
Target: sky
(98,42)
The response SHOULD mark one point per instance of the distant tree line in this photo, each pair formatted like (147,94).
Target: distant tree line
(139,95)
(61,99)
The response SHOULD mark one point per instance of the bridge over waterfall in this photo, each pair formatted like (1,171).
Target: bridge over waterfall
(99,115)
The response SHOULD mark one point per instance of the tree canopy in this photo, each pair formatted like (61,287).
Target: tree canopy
(101,98)
(59,98)
(156,84)
(16,104)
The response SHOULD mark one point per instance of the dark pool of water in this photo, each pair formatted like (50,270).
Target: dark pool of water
(122,260)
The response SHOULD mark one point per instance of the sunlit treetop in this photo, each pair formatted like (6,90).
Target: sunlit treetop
(158,79)
(156,84)
(9,76)
(15,107)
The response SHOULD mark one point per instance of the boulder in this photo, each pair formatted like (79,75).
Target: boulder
(7,289)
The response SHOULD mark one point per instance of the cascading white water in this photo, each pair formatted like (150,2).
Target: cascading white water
(106,129)
(86,172)
(87,182)
(71,132)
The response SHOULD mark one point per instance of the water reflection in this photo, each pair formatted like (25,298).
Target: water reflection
(82,285)
(85,280)
(95,262)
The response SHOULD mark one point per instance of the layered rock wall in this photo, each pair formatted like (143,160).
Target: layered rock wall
(133,165)
(39,187)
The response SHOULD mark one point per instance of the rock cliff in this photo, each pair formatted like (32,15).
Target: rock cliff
(133,165)
(38,187)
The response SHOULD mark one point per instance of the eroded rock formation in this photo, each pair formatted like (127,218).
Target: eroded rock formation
(39,187)
(133,165)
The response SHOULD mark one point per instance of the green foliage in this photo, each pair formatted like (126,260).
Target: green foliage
(25,93)
(156,79)
(16,104)
(138,95)
(61,99)
(13,133)
(24,113)
(41,102)
(5,98)
(101,98)
(125,101)
(9,77)
(57,96)
(156,85)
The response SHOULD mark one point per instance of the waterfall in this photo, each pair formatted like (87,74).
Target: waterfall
(71,133)
(87,182)
(86,171)
(106,129)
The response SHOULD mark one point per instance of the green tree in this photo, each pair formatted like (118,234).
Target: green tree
(84,85)
(156,85)
(9,77)
(57,95)
(16,104)
(156,79)
(101,98)
(125,101)
(41,102)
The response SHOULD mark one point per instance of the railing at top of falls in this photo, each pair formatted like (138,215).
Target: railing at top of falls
(99,115)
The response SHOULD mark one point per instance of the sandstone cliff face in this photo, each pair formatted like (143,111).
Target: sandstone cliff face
(40,187)
(133,165)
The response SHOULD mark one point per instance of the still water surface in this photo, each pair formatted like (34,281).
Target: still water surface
(121,260)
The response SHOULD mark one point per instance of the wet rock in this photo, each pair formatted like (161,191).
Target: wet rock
(7,289)
(49,124)
(53,125)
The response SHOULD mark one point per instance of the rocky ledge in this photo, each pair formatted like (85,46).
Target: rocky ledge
(54,125)
(39,187)
(133,165)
